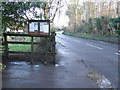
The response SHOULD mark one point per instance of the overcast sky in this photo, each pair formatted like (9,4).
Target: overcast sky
(62,19)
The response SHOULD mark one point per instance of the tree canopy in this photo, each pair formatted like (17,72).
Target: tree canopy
(99,18)
(16,14)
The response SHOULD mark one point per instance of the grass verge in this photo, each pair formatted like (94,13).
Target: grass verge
(106,38)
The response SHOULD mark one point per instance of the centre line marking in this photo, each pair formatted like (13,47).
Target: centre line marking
(94,46)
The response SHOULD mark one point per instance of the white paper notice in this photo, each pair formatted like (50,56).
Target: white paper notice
(44,27)
(33,26)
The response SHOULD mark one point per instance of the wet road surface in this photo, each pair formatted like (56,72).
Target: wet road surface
(69,72)
(101,56)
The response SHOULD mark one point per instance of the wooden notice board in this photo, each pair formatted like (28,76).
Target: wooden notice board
(39,27)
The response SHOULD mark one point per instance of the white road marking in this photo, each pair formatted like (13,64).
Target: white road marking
(62,44)
(94,46)
(118,53)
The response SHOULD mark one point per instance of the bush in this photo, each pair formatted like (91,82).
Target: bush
(90,25)
(98,25)
(115,23)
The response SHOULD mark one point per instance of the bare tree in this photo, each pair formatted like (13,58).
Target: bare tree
(118,9)
(51,8)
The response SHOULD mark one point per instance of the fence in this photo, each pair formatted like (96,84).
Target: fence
(47,44)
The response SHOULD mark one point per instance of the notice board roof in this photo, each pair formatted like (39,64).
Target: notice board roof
(38,20)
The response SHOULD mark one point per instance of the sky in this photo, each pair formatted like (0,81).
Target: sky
(62,20)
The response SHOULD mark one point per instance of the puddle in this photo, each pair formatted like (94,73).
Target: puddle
(36,66)
(25,69)
(57,65)
(60,64)
(21,69)
(101,80)
(20,63)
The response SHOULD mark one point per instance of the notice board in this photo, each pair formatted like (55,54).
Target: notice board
(40,27)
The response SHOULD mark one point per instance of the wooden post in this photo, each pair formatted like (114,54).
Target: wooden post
(45,50)
(32,45)
(39,28)
(6,45)
(32,50)
(53,46)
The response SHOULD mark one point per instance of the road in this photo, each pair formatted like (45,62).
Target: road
(100,56)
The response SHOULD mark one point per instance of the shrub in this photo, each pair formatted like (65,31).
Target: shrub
(115,23)
(90,25)
(98,25)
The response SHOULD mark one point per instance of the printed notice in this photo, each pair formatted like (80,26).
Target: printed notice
(33,26)
(44,27)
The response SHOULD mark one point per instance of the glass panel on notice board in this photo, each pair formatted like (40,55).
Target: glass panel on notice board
(33,27)
(44,28)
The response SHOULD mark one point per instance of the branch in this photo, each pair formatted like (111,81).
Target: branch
(55,13)
(50,4)
(26,15)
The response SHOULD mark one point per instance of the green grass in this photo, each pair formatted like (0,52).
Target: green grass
(19,47)
(106,38)
(24,39)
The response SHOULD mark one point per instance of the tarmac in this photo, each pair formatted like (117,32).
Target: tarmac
(69,72)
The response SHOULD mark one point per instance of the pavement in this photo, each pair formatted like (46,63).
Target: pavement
(69,72)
